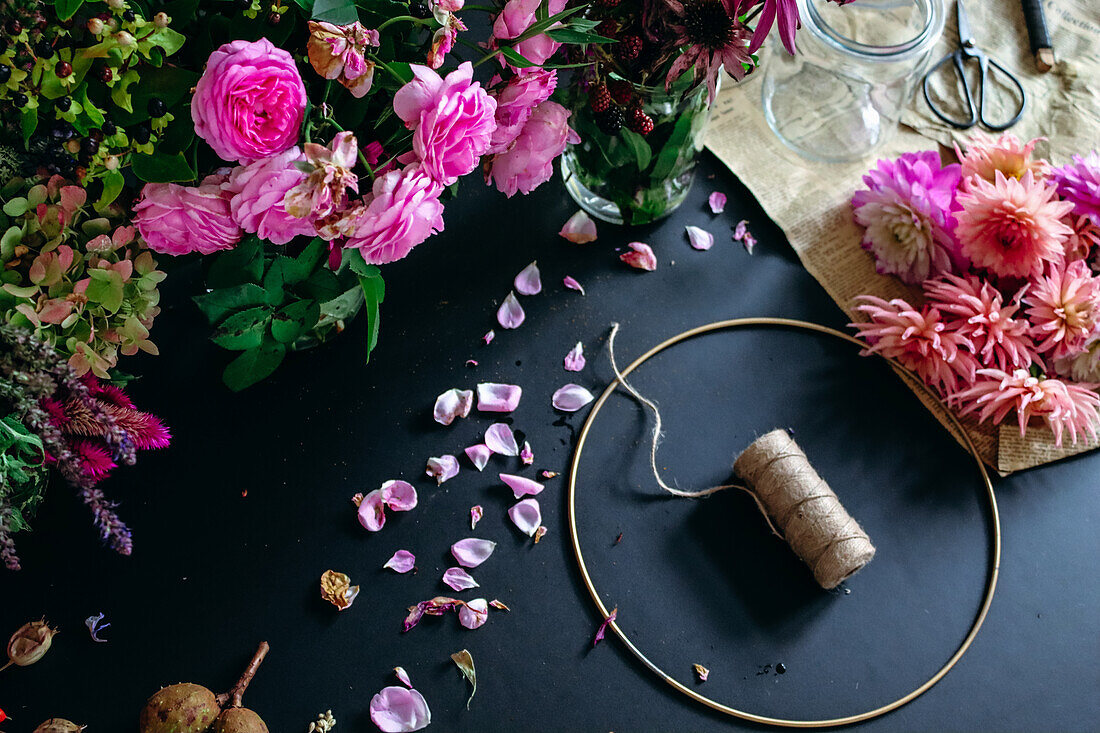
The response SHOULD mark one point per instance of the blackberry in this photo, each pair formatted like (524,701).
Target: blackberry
(43,49)
(19,99)
(609,3)
(64,104)
(611,120)
(640,122)
(419,9)
(63,69)
(607,28)
(157,107)
(141,134)
(629,47)
(599,98)
(621,91)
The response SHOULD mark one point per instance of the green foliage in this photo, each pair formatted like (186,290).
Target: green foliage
(339,12)
(22,472)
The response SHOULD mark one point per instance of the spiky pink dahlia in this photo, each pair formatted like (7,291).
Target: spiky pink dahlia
(1064,308)
(985,156)
(1083,366)
(1011,227)
(906,212)
(919,340)
(977,311)
(715,38)
(1079,183)
(1083,243)
(1065,407)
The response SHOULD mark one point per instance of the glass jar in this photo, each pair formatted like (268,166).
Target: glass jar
(856,69)
(623,176)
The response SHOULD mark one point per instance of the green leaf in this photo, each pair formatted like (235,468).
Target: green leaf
(339,12)
(293,320)
(253,365)
(113,183)
(28,121)
(66,9)
(670,153)
(170,84)
(642,152)
(93,113)
(515,58)
(166,38)
(358,265)
(16,207)
(159,168)
(242,264)
(243,330)
(106,288)
(568,35)
(217,304)
(322,285)
(120,93)
(374,292)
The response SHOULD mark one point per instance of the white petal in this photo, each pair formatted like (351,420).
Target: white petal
(572,284)
(571,398)
(402,561)
(699,238)
(474,614)
(442,468)
(459,579)
(579,229)
(492,397)
(479,455)
(528,281)
(527,516)
(574,360)
(472,552)
(453,403)
(521,486)
(510,314)
(501,440)
(717,201)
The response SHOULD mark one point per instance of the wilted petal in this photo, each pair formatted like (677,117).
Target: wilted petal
(574,360)
(399,496)
(501,440)
(640,256)
(442,468)
(476,513)
(572,284)
(465,662)
(336,588)
(492,397)
(740,230)
(521,486)
(458,579)
(474,614)
(699,238)
(372,511)
(549,474)
(403,676)
(527,516)
(526,454)
(579,229)
(402,561)
(399,710)
(471,362)
(510,314)
(95,625)
(701,672)
(603,627)
(498,605)
(453,403)
(472,552)
(571,398)
(478,455)
(489,336)
(540,533)
(749,242)
(529,281)
(717,201)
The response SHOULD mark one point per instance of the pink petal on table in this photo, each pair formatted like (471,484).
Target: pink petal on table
(442,468)
(571,398)
(471,552)
(478,455)
(603,626)
(399,710)
(574,360)
(549,474)
(498,605)
(740,230)
(580,229)
(501,440)
(572,284)
(493,397)
(521,486)
(529,281)
(399,495)
(699,238)
(526,454)
(749,242)
(489,336)
(471,362)
(474,614)
(403,677)
(476,513)
(372,511)
(459,579)
(402,561)
(510,313)
(527,516)
(717,202)
(453,403)
(640,256)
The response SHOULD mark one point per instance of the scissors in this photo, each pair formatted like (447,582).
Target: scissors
(967,50)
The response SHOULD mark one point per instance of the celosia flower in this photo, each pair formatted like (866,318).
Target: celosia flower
(516,100)
(519,15)
(258,191)
(528,161)
(1011,227)
(985,156)
(717,39)
(339,52)
(1063,406)
(1064,308)
(918,340)
(178,220)
(402,211)
(906,210)
(1079,183)
(325,189)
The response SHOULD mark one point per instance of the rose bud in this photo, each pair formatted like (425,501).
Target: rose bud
(30,643)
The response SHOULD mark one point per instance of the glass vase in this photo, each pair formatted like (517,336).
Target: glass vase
(629,176)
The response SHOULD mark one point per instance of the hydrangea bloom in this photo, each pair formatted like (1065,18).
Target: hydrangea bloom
(985,156)
(1079,183)
(1065,308)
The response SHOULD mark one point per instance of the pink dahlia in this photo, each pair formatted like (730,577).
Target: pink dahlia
(906,210)
(918,340)
(1063,406)
(977,312)
(528,161)
(519,15)
(257,192)
(178,220)
(985,156)
(402,211)
(1065,308)
(1079,184)
(715,39)
(324,190)
(1083,366)
(452,120)
(1011,227)
(1084,239)
(516,100)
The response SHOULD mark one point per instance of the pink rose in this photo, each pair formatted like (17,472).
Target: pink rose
(249,102)
(402,212)
(451,119)
(257,192)
(529,160)
(515,101)
(177,220)
(518,16)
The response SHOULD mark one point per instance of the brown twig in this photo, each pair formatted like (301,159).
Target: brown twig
(233,697)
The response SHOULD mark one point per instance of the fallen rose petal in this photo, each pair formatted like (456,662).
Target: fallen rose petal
(527,516)
(580,229)
(478,455)
(640,257)
(549,474)
(574,360)
(603,627)
(529,280)
(458,579)
(501,440)
(442,468)
(740,230)
(749,242)
(699,238)
(402,561)
(717,201)
(474,614)
(540,533)
(453,403)
(510,313)
(372,511)
(498,605)
(521,486)
(571,398)
(357,498)
(573,284)
(526,454)
(701,671)
(336,588)
(476,513)
(399,496)
(471,362)
(465,662)
(403,676)
(95,625)
(434,607)
(471,552)
(493,397)
(399,710)
(488,337)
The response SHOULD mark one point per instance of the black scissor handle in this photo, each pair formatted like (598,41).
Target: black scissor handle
(956,58)
(998,127)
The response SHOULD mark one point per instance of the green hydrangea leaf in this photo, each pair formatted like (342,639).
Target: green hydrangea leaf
(106,288)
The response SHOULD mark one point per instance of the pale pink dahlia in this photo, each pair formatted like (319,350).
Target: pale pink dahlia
(985,156)
(906,210)
(715,39)
(1079,183)
(918,340)
(1011,227)
(1063,406)
(1083,242)
(1065,308)
(1081,367)
(977,312)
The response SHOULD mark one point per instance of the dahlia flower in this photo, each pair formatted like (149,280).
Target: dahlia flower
(1011,227)
(906,212)
(1063,406)
(1079,183)
(715,38)
(918,340)
(985,156)
(1065,308)
(1084,239)
(1083,366)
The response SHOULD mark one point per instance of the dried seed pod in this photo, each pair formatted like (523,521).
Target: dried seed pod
(59,725)
(30,643)
(182,708)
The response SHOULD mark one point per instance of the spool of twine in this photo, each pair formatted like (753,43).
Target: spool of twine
(802,507)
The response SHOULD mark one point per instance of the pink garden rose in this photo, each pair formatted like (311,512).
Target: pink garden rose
(257,191)
(451,119)
(529,161)
(402,211)
(515,102)
(518,16)
(249,102)
(178,220)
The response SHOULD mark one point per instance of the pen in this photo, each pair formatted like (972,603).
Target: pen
(1041,47)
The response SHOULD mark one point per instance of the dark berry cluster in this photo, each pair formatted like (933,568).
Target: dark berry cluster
(615,104)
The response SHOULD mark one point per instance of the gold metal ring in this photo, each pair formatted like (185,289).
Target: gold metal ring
(714,704)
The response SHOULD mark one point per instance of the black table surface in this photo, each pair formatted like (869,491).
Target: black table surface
(235,522)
